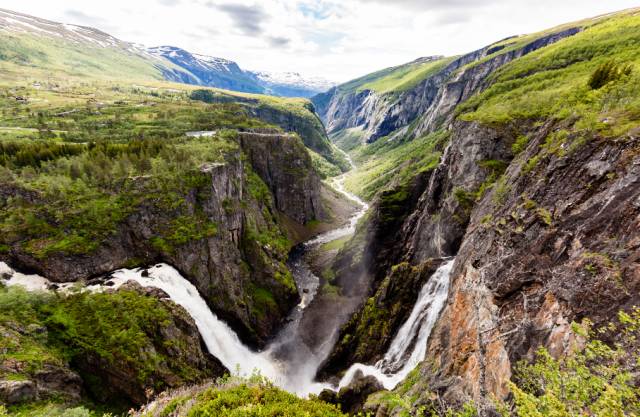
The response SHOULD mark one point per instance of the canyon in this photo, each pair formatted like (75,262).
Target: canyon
(398,245)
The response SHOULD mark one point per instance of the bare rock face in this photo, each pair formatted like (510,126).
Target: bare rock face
(13,392)
(283,163)
(545,258)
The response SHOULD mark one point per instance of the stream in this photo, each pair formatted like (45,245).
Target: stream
(287,360)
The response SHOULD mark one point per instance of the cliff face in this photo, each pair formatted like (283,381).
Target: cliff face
(244,254)
(540,208)
(429,104)
(411,226)
(538,254)
(548,245)
(283,163)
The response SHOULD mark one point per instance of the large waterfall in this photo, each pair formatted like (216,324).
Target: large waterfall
(286,361)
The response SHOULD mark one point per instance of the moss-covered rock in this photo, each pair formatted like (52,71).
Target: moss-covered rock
(118,347)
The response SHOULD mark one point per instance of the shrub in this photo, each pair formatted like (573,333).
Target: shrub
(599,380)
(607,72)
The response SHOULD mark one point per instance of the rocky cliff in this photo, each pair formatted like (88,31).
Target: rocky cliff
(300,119)
(532,255)
(239,256)
(430,103)
(539,207)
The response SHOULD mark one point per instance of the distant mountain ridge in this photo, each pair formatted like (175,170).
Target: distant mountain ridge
(223,73)
(104,53)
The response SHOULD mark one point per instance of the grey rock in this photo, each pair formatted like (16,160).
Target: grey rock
(13,392)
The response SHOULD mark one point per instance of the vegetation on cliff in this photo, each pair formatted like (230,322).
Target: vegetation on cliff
(590,77)
(237,397)
(85,169)
(48,338)
(598,379)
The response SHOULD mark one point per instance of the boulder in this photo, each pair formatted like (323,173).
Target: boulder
(12,392)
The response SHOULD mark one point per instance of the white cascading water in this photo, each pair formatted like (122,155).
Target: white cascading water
(409,346)
(286,361)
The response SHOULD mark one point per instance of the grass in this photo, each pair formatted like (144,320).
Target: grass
(384,160)
(406,76)
(237,397)
(553,82)
(396,79)
(42,56)
(336,244)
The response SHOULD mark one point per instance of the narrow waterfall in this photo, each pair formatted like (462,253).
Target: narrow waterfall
(409,346)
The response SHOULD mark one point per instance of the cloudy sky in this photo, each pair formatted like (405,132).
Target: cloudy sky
(336,39)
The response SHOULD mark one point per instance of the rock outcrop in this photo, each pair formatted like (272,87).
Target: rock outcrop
(34,367)
(178,340)
(284,165)
(304,121)
(241,258)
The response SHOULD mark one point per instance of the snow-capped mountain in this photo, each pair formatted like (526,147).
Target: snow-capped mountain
(209,71)
(292,83)
(168,62)
(223,73)
(14,22)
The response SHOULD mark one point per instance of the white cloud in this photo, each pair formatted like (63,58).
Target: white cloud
(337,39)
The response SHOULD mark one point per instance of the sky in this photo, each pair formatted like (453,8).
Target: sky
(334,39)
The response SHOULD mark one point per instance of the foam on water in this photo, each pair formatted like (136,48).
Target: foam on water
(408,347)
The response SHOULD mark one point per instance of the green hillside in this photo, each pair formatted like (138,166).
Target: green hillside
(551,83)
(397,79)
(25,57)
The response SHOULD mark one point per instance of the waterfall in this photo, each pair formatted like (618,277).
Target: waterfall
(409,346)
(286,361)
(222,342)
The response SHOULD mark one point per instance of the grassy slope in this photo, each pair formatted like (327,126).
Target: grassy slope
(384,161)
(553,82)
(90,171)
(395,79)
(405,77)
(25,57)
(549,83)
(237,397)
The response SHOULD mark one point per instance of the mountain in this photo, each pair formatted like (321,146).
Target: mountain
(482,257)
(34,46)
(292,84)
(519,162)
(209,71)
(222,73)
(43,45)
